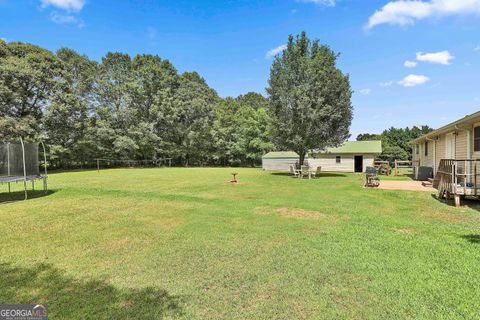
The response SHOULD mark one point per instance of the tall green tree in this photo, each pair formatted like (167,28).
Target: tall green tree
(310,98)
(29,77)
(242,130)
(185,120)
(67,119)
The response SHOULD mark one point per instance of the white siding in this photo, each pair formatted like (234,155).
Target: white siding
(461,145)
(328,162)
(277,164)
(463,149)
(426,160)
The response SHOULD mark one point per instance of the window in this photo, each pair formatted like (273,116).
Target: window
(476,139)
(417,149)
(426,148)
(338,159)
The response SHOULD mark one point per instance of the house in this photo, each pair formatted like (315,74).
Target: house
(279,160)
(457,140)
(352,156)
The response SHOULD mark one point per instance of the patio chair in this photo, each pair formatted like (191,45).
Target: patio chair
(316,172)
(294,171)
(371,177)
(305,172)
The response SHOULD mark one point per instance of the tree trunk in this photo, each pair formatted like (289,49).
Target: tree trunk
(302,157)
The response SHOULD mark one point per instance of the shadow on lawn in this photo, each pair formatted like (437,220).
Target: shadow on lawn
(8,197)
(322,174)
(467,203)
(472,238)
(68,298)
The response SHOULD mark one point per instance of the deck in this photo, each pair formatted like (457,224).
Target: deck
(458,178)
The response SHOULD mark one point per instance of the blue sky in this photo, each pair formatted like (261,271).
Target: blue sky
(228,42)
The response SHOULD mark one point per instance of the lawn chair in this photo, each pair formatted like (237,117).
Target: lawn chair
(371,177)
(317,172)
(305,171)
(294,171)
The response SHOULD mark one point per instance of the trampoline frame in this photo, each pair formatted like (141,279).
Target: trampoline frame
(10,179)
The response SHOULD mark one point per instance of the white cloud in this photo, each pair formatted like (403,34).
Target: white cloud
(442,57)
(406,12)
(413,80)
(366,91)
(328,3)
(477,48)
(152,33)
(66,19)
(409,64)
(386,84)
(69,5)
(273,52)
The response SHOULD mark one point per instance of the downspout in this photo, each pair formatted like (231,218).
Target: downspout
(469,143)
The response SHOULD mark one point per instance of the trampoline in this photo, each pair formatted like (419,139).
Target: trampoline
(19,162)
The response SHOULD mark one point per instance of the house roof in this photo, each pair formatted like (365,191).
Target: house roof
(456,125)
(370,147)
(281,155)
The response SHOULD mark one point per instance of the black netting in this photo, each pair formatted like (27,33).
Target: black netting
(11,159)
(3,160)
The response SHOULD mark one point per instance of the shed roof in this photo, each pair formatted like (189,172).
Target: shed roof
(281,155)
(368,147)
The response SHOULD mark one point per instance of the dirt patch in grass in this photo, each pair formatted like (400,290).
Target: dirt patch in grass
(297,213)
(406,231)
(121,243)
(262,210)
(450,217)
(301,214)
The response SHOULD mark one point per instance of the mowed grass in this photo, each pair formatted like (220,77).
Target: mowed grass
(185,243)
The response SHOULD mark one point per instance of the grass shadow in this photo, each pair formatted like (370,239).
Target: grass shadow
(473,204)
(69,298)
(322,174)
(331,174)
(285,174)
(9,197)
(472,238)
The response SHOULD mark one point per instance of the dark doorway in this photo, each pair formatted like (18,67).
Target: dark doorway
(358,163)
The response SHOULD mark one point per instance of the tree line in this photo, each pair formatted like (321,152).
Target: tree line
(142,108)
(125,108)
(396,141)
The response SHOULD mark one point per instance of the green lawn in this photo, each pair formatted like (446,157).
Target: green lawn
(185,243)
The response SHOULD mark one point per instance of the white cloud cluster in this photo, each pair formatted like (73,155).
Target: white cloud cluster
(406,12)
(366,91)
(409,64)
(66,19)
(442,57)
(68,5)
(386,84)
(328,3)
(273,52)
(413,80)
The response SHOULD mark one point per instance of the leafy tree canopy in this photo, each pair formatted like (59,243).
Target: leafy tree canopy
(310,98)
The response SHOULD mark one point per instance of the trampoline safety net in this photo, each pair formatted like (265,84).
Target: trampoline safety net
(11,160)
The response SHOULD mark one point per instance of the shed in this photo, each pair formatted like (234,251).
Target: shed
(352,156)
(279,160)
